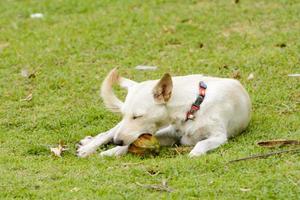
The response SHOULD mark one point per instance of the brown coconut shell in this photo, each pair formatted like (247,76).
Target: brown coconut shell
(144,145)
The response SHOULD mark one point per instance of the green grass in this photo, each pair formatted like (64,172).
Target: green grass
(77,42)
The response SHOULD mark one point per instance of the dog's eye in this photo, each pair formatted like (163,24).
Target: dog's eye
(136,117)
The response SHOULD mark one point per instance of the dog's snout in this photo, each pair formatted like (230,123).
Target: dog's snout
(119,142)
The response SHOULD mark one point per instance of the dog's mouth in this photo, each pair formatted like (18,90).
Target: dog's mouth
(145,136)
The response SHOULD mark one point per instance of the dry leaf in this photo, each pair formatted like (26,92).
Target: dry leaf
(277,143)
(236,74)
(250,77)
(145,144)
(57,151)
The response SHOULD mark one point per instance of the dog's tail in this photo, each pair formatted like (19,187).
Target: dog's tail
(110,100)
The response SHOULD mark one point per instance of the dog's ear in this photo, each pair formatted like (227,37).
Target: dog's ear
(163,89)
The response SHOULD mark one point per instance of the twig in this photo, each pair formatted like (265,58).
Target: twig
(264,155)
(163,187)
(129,164)
(278,143)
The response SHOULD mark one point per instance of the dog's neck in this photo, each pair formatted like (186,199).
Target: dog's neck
(179,105)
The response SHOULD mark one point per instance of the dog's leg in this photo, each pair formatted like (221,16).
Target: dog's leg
(116,151)
(167,136)
(89,145)
(208,144)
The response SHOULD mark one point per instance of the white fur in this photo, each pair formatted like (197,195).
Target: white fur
(116,151)
(224,113)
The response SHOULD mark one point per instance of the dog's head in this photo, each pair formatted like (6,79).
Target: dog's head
(144,109)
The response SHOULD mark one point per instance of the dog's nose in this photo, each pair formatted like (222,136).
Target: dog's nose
(119,142)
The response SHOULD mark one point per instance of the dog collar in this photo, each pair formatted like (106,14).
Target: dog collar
(196,105)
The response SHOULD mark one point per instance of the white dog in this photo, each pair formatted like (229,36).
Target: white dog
(172,109)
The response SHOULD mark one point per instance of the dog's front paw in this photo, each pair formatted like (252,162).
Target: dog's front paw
(85,148)
(116,151)
(194,154)
(84,151)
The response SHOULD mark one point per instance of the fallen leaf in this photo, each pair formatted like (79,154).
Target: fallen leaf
(236,74)
(57,151)
(245,189)
(277,143)
(250,77)
(28,98)
(146,68)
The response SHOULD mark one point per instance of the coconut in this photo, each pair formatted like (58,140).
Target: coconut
(145,144)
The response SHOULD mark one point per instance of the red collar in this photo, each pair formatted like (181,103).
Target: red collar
(196,105)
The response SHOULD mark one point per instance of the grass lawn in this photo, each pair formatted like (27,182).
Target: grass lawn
(74,46)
